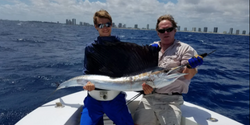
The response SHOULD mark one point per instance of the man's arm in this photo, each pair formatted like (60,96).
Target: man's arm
(89,86)
(190,73)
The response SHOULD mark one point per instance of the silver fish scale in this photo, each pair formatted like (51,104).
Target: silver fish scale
(155,79)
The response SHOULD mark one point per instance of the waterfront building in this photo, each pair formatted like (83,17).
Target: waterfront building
(199,29)
(120,25)
(113,24)
(124,26)
(147,26)
(230,31)
(244,32)
(205,29)
(86,24)
(215,29)
(74,21)
(194,29)
(136,26)
(178,28)
(185,29)
(237,32)
(68,22)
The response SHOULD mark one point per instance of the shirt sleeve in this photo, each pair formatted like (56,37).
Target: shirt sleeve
(188,52)
(85,68)
(89,63)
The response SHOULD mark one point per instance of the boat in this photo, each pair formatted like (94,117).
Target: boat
(66,110)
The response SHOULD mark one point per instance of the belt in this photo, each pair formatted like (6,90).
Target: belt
(103,95)
(173,93)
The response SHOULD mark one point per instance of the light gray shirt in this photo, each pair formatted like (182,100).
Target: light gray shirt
(175,55)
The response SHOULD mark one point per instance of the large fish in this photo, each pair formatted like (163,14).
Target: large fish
(124,65)
(155,79)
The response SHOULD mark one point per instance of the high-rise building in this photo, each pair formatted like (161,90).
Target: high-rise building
(230,31)
(120,25)
(124,26)
(68,21)
(178,28)
(199,29)
(74,21)
(113,24)
(194,29)
(244,32)
(237,32)
(136,26)
(205,29)
(86,24)
(185,29)
(215,29)
(148,26)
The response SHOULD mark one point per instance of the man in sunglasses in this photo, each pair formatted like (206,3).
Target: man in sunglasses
(162,105)
(98,102)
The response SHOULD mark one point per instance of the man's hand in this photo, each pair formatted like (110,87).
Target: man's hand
(190,73)
(191,67)
(147,89)
(195,61)
(89,86)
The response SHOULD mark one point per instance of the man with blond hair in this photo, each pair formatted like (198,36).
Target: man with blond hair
(100,102)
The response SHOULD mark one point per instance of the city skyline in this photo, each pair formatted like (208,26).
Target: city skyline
(185,29)
(223,14)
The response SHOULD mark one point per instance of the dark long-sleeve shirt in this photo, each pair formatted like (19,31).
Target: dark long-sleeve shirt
(109,56)
(91,66)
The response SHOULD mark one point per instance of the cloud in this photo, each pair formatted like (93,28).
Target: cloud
(195,13)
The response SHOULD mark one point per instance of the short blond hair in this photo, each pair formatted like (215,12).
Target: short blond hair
(166,17)
(101,14)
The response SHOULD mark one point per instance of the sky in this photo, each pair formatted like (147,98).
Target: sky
(224,14)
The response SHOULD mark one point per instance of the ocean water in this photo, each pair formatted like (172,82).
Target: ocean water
(35,56)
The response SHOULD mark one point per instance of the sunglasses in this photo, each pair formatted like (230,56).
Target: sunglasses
(108,24)
(167,29)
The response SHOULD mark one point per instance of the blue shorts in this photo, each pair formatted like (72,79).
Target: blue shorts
(115,109)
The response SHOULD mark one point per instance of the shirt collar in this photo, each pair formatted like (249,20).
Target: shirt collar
(107,39)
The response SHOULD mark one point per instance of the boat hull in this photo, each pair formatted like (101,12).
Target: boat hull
(67,111)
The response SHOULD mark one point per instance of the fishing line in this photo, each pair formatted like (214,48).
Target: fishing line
(57,84)
(181,66)
(133,98)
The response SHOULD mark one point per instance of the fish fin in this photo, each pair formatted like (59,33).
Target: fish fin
(127,58)
(173,70)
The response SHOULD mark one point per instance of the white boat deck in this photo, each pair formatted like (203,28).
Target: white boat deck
(70,112)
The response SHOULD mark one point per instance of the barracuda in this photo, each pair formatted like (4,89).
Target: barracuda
(156,79)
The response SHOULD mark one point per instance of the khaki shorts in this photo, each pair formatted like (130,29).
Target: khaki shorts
(159,109)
